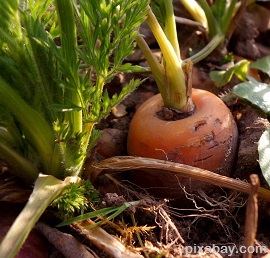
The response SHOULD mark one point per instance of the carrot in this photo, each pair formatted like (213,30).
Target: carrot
(206,139)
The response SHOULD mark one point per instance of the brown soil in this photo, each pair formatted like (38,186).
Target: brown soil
(221,218)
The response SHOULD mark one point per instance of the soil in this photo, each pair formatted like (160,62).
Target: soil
(217,219)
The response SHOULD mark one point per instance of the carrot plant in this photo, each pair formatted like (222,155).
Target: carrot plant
(55,59)
(184,125)
(173,74)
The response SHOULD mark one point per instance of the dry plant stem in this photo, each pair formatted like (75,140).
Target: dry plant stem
(68,245)
(103,240)
(251,215)
(125,163)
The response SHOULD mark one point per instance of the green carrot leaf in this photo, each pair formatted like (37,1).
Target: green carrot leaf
(76,198)
(221,78)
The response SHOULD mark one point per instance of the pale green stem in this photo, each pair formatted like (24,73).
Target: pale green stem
(196,11)
(227,18)
(69,48)
(210,47)
(88,128)
(46,189)
(156,68)
(170,27)
(212,26)
(100,82)
(175,85)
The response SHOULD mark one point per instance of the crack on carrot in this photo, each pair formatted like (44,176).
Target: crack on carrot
(210,137)
(199,124)
(203,159)
(215,144)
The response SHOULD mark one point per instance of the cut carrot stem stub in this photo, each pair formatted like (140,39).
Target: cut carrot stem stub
(206,139)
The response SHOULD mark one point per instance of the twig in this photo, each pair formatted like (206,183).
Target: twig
(125,163)
(251,215)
